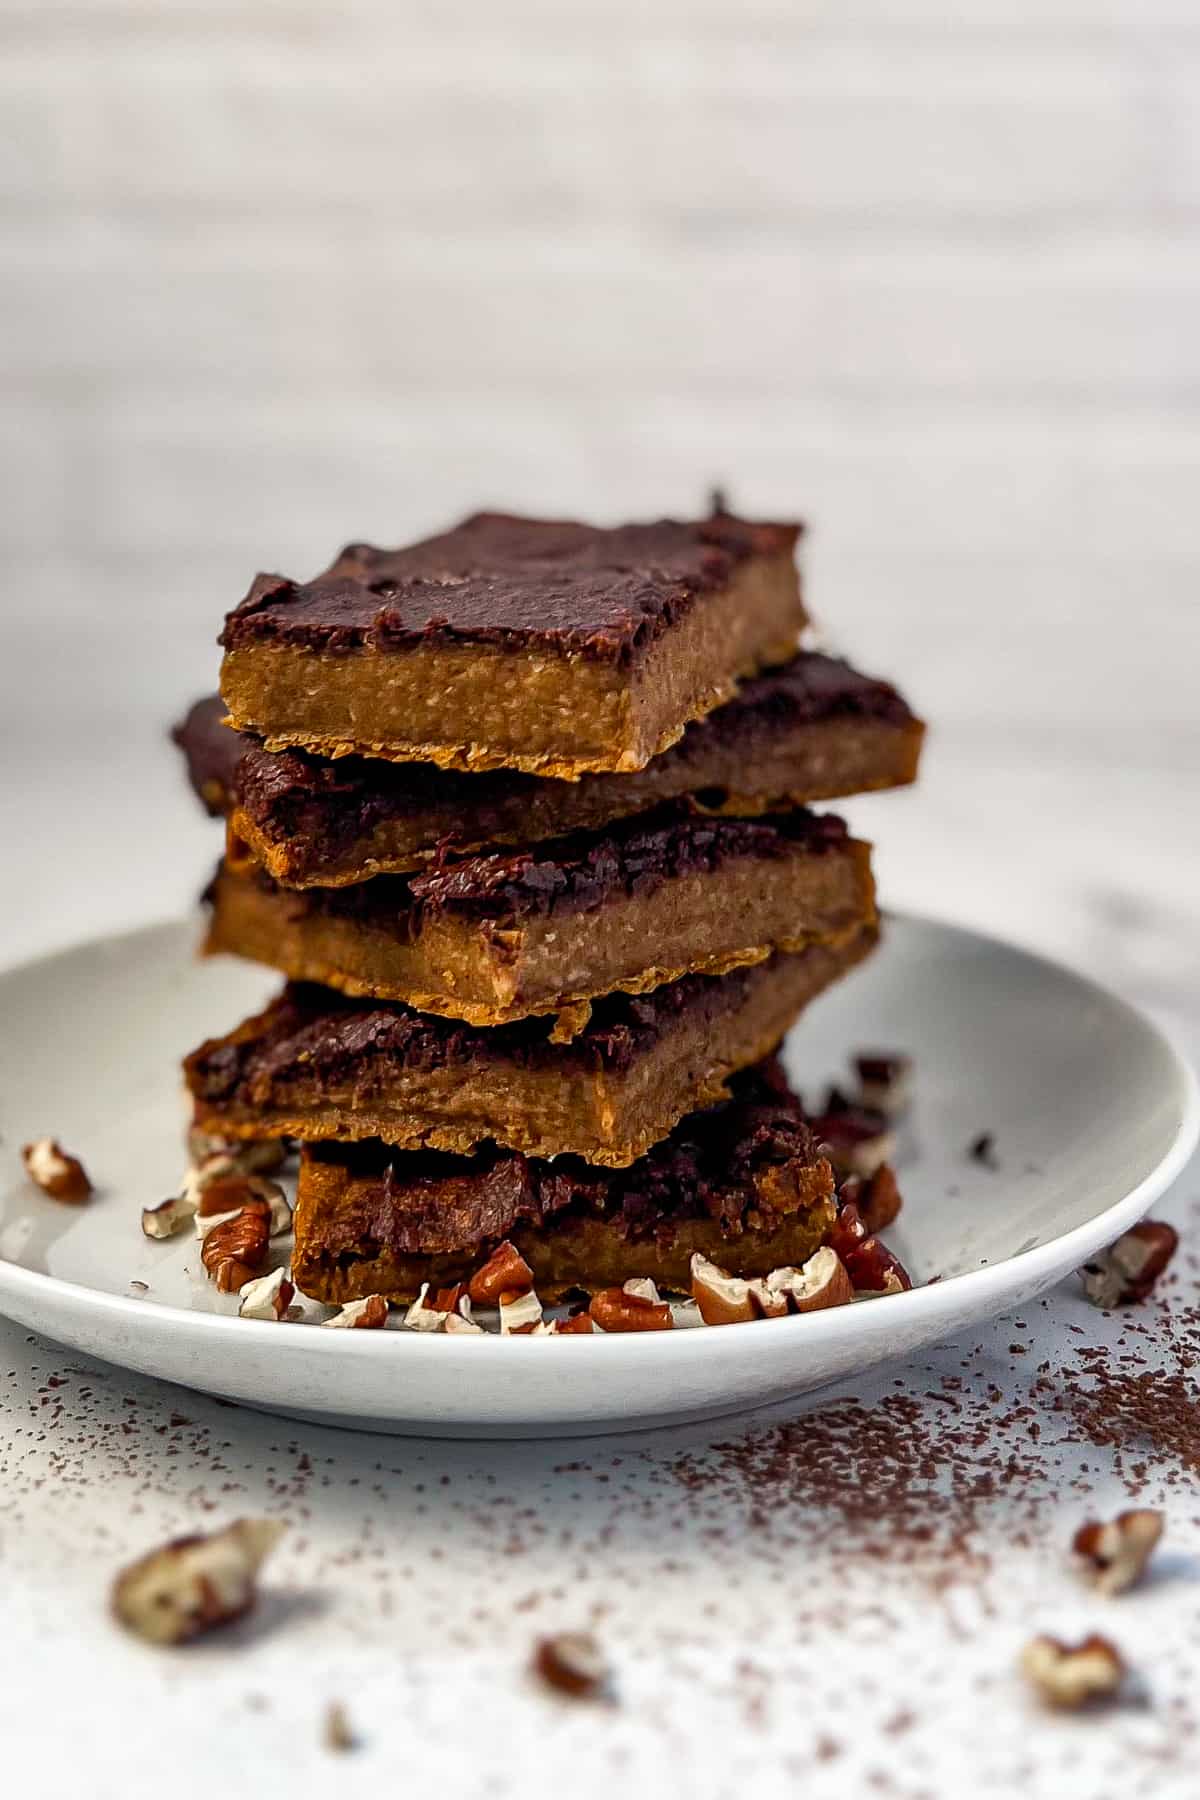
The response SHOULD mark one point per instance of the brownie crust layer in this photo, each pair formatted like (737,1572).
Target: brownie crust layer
(315,1066)
(554,647)
(812,730)
(501,936)
(743,1182)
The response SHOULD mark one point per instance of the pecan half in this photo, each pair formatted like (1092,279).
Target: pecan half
(56,1172)
(1072,1675)
(194,1584)
(236,1247)
(1119,1549)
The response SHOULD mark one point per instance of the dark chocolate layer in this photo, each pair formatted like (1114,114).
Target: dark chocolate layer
(631,857)
(715,1164)
(213,753)
(339,1041)
(508,581)
(337,804)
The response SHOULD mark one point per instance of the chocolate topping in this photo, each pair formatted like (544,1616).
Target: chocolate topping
(724,1164)
(507,581)
(632,857)
(212,752)
(315,1033)
(334,806)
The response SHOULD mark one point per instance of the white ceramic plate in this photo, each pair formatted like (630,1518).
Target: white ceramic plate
(1093,1114)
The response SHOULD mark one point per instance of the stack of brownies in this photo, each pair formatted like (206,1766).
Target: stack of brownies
(521,813)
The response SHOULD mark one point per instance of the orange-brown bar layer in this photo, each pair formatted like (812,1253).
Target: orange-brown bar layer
(745,1183)
(547,646)
(812,730)
(316,1066)
(500,936)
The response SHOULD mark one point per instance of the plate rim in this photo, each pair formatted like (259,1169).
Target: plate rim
(936,1301)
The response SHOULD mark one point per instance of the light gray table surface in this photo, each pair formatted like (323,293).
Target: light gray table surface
(811,1601)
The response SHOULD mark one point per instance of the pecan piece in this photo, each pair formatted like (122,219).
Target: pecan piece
(1119,1549)
(520,1311)
(615,1310)
(194,1584)
(1072,1675)
(878,1198)
(369,1314)
(572,1662)
(505,1271)
(226,1194)
(268,1297)
(236,1247)
(58,1174)
(1128,1269)
(722,1299)
(168,1217)
(884,1081)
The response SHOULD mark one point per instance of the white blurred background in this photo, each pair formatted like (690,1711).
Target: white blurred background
(275,275)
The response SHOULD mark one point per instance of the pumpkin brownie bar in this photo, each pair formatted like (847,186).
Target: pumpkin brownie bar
(499,936)
(812,730)
(744,1183)
(315,1065)
(548,646)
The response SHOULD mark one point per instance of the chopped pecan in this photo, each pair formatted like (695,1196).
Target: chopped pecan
(871,1266)
(229,1193)
(267,1297)
(1128,1270)
(877,1198)
(572,1662)
(858,1139)
(56,1172)
(369,1314)
(615,1310)
(884,1081)
(722,1299)
(194,1584)
(168,1217)
(505,1271)
(1071,1675)
(822,1282)
(520,1311)
(236,1247)
(1119,1549)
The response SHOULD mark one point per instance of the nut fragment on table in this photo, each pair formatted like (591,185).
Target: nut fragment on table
(337,1731)
(369,1314)
(1117,1550)
(58,1173)
(236,1247)
(1128,1270)
(194,1584)
(267,1297)
(1073,1675)
(505,1271)
(573,1663)
(614,1309)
